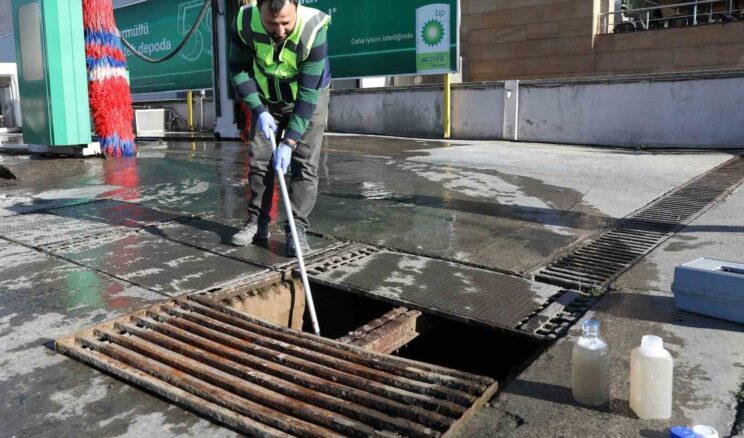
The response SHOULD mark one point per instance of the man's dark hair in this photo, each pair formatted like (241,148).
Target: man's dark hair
(276,5)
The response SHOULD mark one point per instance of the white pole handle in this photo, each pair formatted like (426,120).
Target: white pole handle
(296,240)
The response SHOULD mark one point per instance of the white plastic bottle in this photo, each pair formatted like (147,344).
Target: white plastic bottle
(651,376)
(590,367)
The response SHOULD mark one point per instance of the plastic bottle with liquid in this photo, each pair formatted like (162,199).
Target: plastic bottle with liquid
(590,366)
(651,377)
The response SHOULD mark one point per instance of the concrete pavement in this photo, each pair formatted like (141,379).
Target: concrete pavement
(708,353)
(504,206)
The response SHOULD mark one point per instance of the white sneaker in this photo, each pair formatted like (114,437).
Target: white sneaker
(252,230)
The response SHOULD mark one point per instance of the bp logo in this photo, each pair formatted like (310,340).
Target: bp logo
(432,33)
(433,38)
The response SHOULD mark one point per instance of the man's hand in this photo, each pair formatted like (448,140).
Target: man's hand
(282,157)
(266,124)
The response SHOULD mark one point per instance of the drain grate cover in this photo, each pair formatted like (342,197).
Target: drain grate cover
(112,212)
(600,261)
(80,223)
(13,205)
(214,234)
(155,263)
(261,379)
(435,286)
(40,229)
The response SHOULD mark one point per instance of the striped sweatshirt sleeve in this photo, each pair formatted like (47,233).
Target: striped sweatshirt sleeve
(310,81)
(241,72)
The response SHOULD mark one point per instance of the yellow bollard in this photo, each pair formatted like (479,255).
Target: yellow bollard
(447,105)
(190,108)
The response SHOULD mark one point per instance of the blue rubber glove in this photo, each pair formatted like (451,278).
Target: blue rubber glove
(266,124)
(282,157)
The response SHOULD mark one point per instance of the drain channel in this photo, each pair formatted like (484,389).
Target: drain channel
(263,379)
(600,261)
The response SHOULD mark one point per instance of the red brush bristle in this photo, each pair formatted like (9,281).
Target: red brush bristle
(109,93)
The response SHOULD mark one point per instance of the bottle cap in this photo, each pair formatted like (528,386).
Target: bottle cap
(653,343)
(681,432)
(590,326)
(703,431)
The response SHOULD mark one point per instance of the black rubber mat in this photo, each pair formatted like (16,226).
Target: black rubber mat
(41,229)
(213,234)
(434,286)
(156,263)
(20,204)
(116,213)
(38,285)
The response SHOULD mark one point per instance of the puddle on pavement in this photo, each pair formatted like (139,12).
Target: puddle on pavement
(212,176)
(377,190)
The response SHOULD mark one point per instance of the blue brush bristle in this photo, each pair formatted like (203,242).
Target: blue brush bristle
(102,38)
(113,146)
(106,61)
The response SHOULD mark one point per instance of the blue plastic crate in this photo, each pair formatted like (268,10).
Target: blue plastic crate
(710,287)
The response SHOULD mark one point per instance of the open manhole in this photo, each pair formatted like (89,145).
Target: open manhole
(208,353)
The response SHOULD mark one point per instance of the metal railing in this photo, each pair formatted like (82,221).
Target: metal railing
(690,13)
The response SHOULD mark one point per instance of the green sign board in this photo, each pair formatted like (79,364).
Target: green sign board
(155,28)
(366,38)
(391,37)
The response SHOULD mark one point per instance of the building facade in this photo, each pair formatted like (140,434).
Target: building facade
(537,39)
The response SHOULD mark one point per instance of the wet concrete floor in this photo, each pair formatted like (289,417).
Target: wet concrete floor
(46,394)
(499,205)
(506,206)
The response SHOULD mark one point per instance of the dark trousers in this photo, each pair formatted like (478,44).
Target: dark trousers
(303,184)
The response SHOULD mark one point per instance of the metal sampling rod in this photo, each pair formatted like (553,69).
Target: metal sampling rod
(298,250)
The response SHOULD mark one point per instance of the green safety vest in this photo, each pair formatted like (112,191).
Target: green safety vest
(276,77)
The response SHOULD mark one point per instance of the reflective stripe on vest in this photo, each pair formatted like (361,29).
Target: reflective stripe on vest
(277,77)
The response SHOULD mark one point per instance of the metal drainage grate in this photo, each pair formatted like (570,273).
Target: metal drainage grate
(213,234)
(433,286)
(117,213)
(267,380)
(555,318)
(600,261)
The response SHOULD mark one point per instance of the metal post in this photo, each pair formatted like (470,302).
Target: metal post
(224,123)
(694,14)
(648,19)
(202,94)
(190,109)
(447,105)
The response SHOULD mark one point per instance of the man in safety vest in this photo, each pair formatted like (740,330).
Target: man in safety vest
(279,67)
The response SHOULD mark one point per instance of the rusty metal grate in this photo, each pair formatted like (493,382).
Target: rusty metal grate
(601,260)
(262,379)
